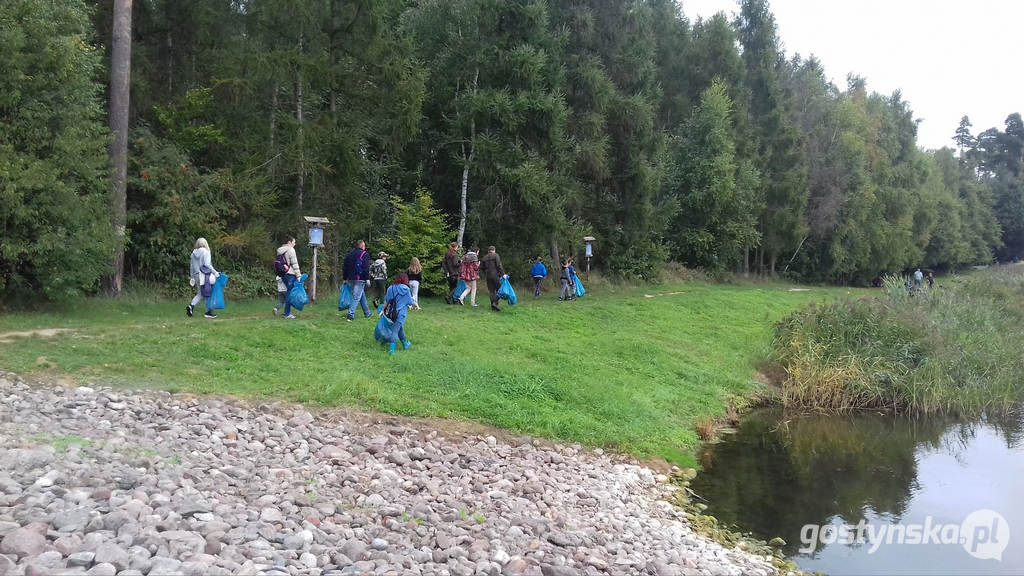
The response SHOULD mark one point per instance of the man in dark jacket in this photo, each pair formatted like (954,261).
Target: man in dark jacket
(490,266)
(356,271)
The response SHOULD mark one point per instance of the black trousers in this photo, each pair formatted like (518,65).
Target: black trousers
(492,290)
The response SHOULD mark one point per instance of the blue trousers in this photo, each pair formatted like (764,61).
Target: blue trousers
(358,297)
(289,281)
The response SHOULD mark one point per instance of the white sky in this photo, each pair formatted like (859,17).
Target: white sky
(947,57)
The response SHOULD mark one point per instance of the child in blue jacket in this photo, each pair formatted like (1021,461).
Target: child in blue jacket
(538,271)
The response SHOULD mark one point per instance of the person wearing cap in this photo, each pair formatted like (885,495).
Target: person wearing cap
(379,275)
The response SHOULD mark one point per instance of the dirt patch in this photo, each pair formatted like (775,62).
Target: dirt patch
(799,289)
(663,294)
(8,337)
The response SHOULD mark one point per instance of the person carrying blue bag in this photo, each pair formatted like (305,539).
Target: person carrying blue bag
(202,275)
(356,273)
(577,285)
(493,271)
(391,326)
(286,268)
(216,299)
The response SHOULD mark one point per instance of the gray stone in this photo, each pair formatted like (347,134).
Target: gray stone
(271,515)
(103,569)
(23,542)
(111,553)
(81,559)
(379,544)
(162,566)
(299,540)
(354,549)
(73,520)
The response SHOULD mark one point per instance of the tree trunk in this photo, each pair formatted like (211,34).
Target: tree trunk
(467,160)
(556,258)
(170,64)
(746,262)
(274,152)
(120,79)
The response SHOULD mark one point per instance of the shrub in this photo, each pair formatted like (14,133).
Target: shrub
(953,350)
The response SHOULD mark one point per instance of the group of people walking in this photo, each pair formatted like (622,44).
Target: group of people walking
(468,269)
(360,272)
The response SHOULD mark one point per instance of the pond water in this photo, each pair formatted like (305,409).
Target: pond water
(874,494)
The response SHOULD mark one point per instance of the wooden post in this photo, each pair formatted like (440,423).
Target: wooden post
(312,283)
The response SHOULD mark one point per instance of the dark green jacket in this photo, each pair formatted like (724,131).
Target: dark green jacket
(491,266)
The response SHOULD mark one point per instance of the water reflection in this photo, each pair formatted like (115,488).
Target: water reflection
(780,472)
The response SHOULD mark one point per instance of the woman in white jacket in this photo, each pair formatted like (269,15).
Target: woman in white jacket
(198,276)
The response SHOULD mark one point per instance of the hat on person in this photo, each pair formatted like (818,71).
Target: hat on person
(382,255)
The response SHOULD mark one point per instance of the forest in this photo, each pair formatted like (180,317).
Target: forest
(524,124)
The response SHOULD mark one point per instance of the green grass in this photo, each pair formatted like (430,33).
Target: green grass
(614,369)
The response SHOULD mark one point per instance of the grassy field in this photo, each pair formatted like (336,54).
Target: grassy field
(631,369)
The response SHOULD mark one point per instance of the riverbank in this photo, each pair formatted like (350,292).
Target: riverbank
(633,369)
(103,481)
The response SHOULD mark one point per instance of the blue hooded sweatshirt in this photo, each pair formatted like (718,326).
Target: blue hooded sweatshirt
(538,270)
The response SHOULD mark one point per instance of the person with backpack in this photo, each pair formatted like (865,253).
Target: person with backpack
(397,301)
(356,271)
(493,271)
(286,267)
(415,272)
(201,275)
(469,272)
(379,275)
(450,264)
(538,271)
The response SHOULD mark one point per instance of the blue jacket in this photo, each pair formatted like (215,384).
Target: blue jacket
(403,299)
(538,270)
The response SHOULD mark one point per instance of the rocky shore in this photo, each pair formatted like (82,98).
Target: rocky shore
(115,482)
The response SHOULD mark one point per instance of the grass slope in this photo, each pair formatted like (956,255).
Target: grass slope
(616,368)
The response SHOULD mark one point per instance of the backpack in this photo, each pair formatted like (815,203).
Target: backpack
(377,269)
(391,310)
(281,264)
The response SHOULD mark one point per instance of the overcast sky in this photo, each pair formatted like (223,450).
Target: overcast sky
(947,57)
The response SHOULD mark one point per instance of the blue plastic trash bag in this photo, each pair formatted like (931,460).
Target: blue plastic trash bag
(298,297)
(345,299)
(384,328)
(507,293)
(216,299)
(580,291)
(459,289)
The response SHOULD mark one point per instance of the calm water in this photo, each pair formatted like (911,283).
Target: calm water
(779,473)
